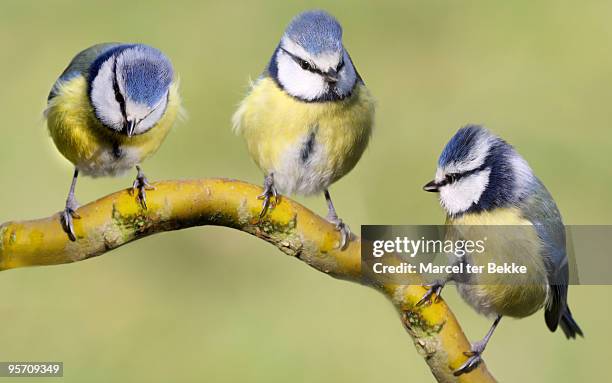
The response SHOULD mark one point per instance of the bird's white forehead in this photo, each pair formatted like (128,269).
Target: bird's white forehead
(136,109)
(440,174)
(323,61)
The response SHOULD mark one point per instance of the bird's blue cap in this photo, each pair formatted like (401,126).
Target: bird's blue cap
(316,31)
(147,72)
(147,76)
(462,144)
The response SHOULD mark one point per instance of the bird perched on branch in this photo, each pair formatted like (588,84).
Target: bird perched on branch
(109,110)
(308,118)
(484,184)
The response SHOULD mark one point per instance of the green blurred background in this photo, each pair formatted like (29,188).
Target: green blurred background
(213,304)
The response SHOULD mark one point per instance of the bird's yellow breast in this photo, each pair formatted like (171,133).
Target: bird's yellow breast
(307,145)
(91,146)
(508,238)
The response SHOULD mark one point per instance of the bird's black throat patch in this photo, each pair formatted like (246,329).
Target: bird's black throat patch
(308,147)
(117,151)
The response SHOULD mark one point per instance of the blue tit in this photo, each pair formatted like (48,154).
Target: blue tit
(483,181)
(108,111)
(308,118)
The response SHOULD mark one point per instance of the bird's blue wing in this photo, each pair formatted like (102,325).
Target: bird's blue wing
(79,66)
(540,209)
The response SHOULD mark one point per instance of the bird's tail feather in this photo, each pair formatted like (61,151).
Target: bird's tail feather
(568,325)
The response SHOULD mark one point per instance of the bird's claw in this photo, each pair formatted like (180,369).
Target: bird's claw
(66,219)
(344,229)
(140,186)
(474,358)
(268,203)
(473,361)
(476,350)
(345,232)
(434,288)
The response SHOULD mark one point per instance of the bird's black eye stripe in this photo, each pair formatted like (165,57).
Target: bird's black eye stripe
(454,177)
(340,66)
(118,96)
(303,63)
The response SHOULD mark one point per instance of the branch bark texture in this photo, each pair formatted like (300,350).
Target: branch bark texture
(117,219)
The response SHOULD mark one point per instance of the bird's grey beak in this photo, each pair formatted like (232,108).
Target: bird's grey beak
(431,187)
(130,127)
(331,76)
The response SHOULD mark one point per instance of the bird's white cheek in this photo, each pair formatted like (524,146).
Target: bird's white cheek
(461,195)
(152,118)
(298,82)
(103,97)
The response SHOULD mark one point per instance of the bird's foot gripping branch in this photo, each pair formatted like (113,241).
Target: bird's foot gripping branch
(119,218)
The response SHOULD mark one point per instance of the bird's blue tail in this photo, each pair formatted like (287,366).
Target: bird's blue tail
(568,325)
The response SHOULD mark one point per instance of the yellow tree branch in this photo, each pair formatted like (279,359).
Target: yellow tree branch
(118,219)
